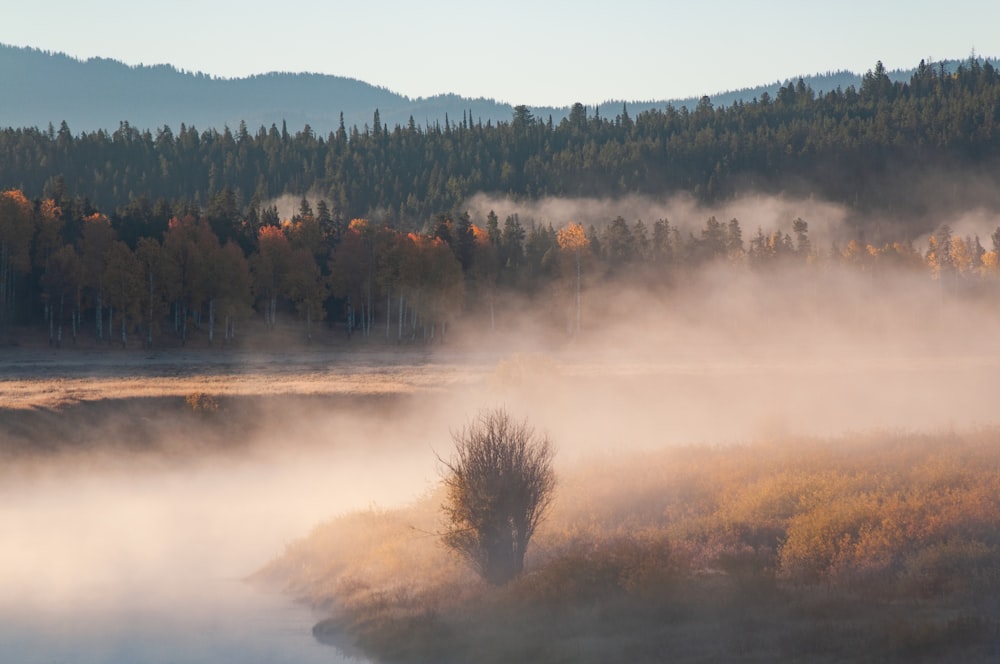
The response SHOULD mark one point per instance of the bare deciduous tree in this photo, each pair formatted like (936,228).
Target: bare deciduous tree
(499,484)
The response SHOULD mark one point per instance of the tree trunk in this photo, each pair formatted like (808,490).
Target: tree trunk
(211,321)
(13,291)
(414,316)
(3,280)
(370,318)
(402,315)
(99,319)
(504,559)
(578,315)
(149,321)
(62,299)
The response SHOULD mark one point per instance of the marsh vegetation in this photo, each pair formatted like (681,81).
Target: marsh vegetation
(866,547)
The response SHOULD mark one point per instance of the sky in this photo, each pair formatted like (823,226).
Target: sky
(520,52)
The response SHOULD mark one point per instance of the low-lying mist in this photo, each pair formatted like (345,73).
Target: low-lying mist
(830,222)
(729,354)
(152,513)
(724,356)
(140,506)
(964,200)
(138,551)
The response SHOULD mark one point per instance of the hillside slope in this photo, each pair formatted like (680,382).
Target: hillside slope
(42,87)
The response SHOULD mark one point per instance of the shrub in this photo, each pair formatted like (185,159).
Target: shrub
(498,487)
(200,402)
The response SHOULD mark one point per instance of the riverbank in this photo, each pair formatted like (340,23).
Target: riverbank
(865,548)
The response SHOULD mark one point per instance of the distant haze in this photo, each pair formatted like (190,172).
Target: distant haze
(42,88)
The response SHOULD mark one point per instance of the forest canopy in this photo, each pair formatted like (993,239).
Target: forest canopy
(864,147)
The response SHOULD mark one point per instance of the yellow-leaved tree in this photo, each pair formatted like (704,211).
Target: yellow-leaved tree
(573,242)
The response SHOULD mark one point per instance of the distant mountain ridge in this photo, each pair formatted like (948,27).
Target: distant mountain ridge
(40,88)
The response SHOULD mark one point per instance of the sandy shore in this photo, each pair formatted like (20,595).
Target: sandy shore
(48,379)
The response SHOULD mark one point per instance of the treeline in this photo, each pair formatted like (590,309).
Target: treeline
(865,147)
(76,273)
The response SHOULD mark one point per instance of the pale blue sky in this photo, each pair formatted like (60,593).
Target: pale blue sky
(534,53)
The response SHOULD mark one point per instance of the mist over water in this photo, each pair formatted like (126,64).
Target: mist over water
(144,559)
(123,554)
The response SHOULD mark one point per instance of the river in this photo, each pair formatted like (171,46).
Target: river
(145,560)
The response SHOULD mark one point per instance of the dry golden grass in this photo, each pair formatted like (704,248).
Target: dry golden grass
(54,379)
(884,546)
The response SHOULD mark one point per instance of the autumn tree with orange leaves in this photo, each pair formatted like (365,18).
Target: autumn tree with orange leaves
(270,267)
(98,235)
(573,241)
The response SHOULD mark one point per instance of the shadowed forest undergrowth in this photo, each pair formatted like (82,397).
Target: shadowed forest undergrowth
(869,547)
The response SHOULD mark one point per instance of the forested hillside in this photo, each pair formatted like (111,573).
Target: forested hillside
(139,237)
(877,148)
(42,88)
